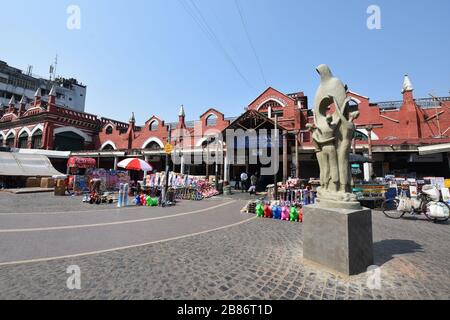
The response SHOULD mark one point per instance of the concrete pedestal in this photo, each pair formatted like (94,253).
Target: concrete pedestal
(338,239)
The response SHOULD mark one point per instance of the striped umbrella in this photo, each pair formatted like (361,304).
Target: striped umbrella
(135,164)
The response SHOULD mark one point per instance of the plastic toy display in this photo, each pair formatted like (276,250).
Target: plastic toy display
(294,214)
(267,211)
(259,210)
(285,215)
(276,212)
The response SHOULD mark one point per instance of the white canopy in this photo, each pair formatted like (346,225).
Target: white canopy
(436,148)
(26,165)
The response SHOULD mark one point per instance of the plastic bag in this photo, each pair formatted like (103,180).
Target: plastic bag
(405,204)
(438,210)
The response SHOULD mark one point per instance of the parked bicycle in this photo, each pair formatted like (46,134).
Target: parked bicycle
(428,203)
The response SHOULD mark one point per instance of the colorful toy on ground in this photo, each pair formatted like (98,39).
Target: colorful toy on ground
(294,214)
(259,210)
(285,213)
(267,211)
(300,215)
(276,212)
(143,200)
(154,202)
(138,200)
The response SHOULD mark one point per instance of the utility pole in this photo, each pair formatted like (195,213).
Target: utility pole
(166,187)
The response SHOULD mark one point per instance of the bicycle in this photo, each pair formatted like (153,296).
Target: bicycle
(428,204)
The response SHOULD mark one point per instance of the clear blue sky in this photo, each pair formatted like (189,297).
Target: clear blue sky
(150,56)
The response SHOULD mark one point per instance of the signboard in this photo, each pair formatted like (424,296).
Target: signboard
(168,148)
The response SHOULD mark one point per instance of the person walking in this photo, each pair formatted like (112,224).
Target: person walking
(253,181)
(244,178)
(236,183)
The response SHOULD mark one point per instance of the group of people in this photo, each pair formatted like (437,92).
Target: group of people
(246,184)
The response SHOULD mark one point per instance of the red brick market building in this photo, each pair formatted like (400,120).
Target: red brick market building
(391,133)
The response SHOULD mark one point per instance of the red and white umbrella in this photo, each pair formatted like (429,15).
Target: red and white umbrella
(135,164)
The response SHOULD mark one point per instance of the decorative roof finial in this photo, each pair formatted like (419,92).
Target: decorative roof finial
(12,102)
(182,113)
(52,92)
(23,100)
(38,93)
(407,85)
(132,119)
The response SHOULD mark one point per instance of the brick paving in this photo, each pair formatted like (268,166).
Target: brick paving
(260,259)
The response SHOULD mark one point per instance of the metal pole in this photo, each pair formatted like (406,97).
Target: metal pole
(217,166)
(285,157)
(207,159)
(297,164)
(276,148)
(166,187)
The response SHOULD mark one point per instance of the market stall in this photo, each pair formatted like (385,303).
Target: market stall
(83,171)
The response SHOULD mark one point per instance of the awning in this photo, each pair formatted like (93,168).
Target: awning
(82,163)
(436,148)
(48,153)
(357,158)
(26,165)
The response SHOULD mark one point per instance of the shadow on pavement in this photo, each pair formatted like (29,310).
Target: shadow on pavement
(385,250)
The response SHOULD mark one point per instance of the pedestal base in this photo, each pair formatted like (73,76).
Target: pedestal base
(338,239)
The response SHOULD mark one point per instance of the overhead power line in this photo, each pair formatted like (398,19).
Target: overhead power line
(196,14)
(241,15)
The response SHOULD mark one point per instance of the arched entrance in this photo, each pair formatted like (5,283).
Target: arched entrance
(156,157)
(23,140)
(69,141)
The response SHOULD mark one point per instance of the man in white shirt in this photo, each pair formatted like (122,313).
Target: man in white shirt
(244,178)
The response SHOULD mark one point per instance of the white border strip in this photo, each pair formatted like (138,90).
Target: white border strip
(81,226)
(127,247)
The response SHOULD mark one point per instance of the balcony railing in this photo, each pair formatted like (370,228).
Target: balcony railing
(425,103)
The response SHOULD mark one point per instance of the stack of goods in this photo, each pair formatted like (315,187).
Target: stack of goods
(184,187)
(293,191)
(110,180)
(206,189)
(251,207)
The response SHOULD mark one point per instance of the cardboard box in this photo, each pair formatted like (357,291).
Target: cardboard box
(33,182)
(60,183)
(60,191)
(47,183)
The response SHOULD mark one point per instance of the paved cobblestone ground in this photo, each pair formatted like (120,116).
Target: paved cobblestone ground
(261,259)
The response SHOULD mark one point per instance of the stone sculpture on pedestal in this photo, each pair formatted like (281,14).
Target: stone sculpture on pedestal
(332,134)
(337,230)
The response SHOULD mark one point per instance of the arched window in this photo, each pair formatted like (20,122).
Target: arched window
(108,147)
(153,146)
(211,120)
(10,140)
(36,140)
(360,136)
(353,106)
(154,125)
(109,130)
(23,140)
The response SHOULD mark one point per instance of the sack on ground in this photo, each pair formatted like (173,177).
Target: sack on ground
(438,210)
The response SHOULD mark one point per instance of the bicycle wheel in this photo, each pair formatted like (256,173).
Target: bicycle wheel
(436,218)
(390,207)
